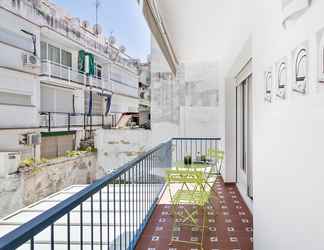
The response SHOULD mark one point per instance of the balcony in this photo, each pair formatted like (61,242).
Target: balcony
(145,97)
(129,209)
(59,73)
(52,121)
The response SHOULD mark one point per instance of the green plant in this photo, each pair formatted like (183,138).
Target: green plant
(89,149)
(42,161)
(28,162)
(73,153)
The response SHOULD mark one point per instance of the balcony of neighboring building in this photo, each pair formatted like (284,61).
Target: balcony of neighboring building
(60,66)
(144,93)
(55,22)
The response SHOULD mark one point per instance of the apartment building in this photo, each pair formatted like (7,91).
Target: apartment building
(59,74)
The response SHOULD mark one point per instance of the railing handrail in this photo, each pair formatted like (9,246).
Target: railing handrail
(103,78)
(69,113)
(196,138)
(25,232)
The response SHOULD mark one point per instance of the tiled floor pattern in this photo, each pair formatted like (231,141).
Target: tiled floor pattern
(229,225)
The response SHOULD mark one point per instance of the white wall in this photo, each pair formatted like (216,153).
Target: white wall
(187,104)
(288,159)
(14,81)
(209,31)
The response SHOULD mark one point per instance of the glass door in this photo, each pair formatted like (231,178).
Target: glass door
(243,136)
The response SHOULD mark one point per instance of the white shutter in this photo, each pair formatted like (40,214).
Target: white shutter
(47,100)
(64,101)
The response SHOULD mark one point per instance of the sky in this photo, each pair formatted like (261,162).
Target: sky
(122,17)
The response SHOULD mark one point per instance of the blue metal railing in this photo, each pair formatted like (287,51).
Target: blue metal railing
(129,195)
(192,147)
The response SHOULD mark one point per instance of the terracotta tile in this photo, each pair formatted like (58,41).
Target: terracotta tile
(230,212)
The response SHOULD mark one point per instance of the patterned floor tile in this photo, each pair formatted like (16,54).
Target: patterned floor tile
(229,225)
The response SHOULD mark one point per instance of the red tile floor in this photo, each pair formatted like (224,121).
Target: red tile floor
(229,225)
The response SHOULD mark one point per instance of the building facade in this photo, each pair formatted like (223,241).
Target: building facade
(59,74)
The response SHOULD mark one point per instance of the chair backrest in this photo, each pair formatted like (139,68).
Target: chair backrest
(216,154)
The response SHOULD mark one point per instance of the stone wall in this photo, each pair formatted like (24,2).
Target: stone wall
(31,185)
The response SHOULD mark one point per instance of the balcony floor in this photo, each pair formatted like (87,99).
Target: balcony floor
(229,227)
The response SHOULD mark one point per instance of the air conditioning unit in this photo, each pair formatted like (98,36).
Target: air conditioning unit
(9,163)
(34,139)
(30,60)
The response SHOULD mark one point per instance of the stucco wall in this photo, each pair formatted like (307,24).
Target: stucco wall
(288,159)
(178,102)
(118,146)
(29,186)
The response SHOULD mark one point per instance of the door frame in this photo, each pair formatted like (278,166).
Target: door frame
(244,75)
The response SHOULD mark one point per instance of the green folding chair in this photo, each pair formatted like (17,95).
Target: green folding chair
(217,157)
(195,192)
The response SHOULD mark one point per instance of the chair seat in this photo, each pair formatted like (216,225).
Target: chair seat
(192,197)
(185,176)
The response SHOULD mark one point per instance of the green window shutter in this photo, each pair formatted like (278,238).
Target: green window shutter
(81,61)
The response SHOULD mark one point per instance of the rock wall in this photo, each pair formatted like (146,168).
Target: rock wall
(31,185)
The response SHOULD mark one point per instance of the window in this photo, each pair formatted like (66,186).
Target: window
(66,58)
(16,3)
(98,71)
(43,51)
(15,99)
(54,54)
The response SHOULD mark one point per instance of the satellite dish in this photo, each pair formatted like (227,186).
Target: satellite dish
(86,24)
(122,49)
(112,40)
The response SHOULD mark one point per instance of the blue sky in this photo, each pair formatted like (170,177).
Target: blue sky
(122,17)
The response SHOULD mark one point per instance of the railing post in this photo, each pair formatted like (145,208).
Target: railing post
(69,75)
(91,125)
(84,121)
(69,122)
(49,121)
(49,67)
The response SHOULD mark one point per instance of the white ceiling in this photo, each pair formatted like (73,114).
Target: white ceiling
(207,30)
